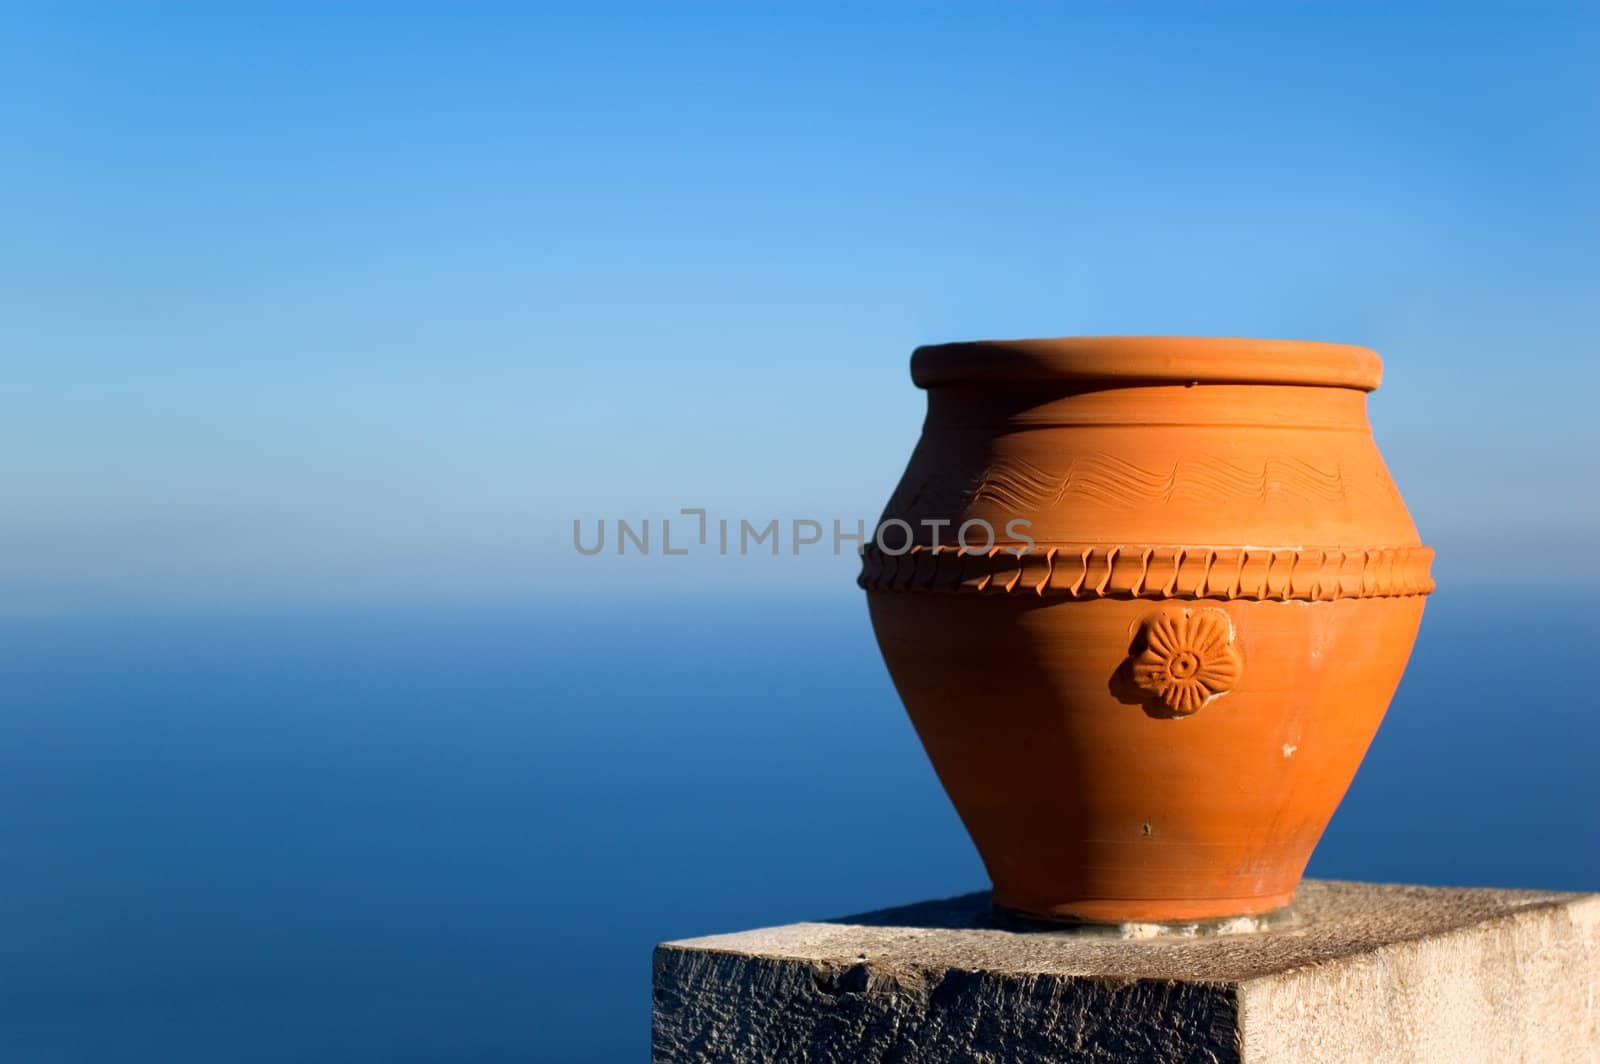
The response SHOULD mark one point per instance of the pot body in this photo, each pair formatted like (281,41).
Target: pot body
(1149,691)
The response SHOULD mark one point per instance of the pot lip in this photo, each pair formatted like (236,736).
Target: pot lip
(1188,359)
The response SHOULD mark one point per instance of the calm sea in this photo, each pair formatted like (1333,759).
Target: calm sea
(455,834)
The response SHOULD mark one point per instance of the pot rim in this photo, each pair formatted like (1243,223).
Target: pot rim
(1185,359)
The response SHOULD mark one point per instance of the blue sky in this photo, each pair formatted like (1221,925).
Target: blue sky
(369,306)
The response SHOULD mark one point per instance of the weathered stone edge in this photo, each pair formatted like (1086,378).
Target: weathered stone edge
(726,1005)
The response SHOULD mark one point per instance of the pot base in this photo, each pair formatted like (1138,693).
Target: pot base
(1154,919)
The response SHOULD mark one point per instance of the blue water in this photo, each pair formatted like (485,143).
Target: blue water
(456,834)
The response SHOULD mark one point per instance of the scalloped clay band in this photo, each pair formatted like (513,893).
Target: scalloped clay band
(1307,574)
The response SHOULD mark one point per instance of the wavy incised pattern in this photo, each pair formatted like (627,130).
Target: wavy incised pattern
(1132,571)
(1019,484)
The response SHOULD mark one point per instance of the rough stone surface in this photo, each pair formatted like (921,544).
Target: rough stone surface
(1363,973)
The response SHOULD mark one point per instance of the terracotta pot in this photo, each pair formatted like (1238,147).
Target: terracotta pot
(1147,696)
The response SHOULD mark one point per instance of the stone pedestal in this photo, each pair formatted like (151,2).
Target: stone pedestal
(1364,974)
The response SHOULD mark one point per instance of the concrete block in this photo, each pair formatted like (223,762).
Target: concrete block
(1362,973)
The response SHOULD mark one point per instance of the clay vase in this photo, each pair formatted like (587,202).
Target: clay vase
(1147,693)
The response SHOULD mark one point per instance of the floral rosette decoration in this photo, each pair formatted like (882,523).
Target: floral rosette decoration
(1188,659)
